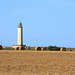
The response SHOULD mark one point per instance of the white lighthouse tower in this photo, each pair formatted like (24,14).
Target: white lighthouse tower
(20,34)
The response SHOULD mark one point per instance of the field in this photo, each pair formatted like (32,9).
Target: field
(37,63)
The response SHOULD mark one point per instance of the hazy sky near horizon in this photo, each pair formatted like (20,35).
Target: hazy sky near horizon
(45,22)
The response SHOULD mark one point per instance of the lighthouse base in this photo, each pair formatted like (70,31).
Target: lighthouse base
(14,46)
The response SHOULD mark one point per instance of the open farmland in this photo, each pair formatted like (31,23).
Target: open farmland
(37,63)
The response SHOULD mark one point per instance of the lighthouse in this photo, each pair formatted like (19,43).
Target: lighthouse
(20,34)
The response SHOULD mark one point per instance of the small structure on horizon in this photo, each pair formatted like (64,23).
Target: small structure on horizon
(1,43)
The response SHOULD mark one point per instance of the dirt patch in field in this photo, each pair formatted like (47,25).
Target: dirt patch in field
(37,63)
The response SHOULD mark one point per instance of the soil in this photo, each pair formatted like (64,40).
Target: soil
(37,63)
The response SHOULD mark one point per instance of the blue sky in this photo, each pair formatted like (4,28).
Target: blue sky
(45,22)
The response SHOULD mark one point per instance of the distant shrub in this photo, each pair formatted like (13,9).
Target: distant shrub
(9,48)
(53,48)
(1,47)
(30,48)
(71,50)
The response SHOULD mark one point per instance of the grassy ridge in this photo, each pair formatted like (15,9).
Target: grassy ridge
(32,48)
